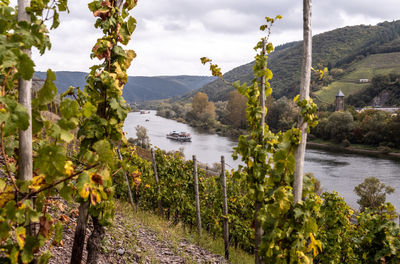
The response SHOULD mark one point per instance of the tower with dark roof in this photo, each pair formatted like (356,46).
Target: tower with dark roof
(339,101)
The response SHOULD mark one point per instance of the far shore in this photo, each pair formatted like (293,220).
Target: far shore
(353,150)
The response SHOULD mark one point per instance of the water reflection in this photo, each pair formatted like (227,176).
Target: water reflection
(336,171)
(327,162)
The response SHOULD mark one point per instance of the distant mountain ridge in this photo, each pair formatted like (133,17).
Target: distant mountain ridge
(338,48)
(138,88)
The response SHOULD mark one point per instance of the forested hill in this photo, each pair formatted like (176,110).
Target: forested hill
(334,49)
(138,88)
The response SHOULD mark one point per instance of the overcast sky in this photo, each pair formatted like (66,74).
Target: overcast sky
(172,35)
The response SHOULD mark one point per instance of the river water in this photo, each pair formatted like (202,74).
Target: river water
(336,171)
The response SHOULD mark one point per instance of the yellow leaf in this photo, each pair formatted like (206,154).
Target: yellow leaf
(94,197)
(37,182)
(69,169)
(130,55)
(6,193)
(313,245)
(84,192)
(20,233)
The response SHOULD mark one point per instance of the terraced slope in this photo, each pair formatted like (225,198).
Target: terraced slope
(367,68)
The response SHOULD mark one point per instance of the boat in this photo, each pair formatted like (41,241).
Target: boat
(180,136)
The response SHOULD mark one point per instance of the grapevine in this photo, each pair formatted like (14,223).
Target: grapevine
(26,224)
(101,126)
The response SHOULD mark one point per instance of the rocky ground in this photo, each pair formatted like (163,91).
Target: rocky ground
(130,241)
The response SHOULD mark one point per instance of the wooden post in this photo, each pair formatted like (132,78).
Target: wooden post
(304,95)
(196,194)
(25,161)
(153,157)
(225,208)
(127,182)
(25,167)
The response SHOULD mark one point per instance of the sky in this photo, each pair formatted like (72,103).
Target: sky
(172,35)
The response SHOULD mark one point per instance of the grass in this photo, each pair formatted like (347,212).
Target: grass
(174,234)
(367,68)
(328,93)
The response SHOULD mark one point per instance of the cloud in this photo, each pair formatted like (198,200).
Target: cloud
(172,35)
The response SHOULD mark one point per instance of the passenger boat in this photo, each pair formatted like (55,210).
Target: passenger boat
(180,136)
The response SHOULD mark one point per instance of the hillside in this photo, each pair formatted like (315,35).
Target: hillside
(367,68)
(138,88)
(338,48)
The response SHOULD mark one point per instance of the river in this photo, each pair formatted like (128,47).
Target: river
(336,171)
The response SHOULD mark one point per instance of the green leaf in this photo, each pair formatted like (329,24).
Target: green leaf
(68,124)
(4,230)
(66,136)
(131,25)
(69,108)
(89,109)
(14,255)
(56,20)
(62,6)
(15,117)
(32,244)
(58,232)
(66,192)
(33,215)
(104,151)
(26,67)
(48,92)
(50,160)
(45,257)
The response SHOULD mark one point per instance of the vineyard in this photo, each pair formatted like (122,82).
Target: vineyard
(341,239)
(82,159)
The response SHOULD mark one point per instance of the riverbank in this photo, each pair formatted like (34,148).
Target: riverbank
(353,149)
(216,128)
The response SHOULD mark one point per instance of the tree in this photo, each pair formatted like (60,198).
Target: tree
(203,111)
(142,137)
(199,103)
(372,193)
(339,126)
(304,95)
(236,108)
(282,114)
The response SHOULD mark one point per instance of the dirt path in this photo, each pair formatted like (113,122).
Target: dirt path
(129,241)
(156,247)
